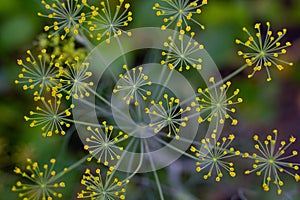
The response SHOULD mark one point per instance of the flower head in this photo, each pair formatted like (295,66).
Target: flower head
(270,161)
(217,104)
(103,145)
(38,74)
(168,113)
(264,50)
(99,188)
(50,117)
(213,155)
(73,79)
(64,50)
(179,12)
(41,182)
(68,16)
(108,23)
(183,55)
(131,84)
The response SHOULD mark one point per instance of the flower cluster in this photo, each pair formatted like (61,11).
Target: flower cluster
(73,79)
(270,161)
(264,50)
(132,84)
(38,74)
(68,16)
(183,55)
(107,23)
(213,103)
(103,145)
(60,72)
(179,12)
(212,156)
(98,188)
(41,182)
(50,116)
(168,113)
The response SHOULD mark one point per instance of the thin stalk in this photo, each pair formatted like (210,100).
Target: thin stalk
(82,160)
(161,195)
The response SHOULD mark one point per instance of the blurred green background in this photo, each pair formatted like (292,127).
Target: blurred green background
(266,105)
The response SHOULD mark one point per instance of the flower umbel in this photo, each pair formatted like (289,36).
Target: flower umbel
(73,79)
(106,23)
(40,74)
(131,84)
(167,113)
(103,145)
(50,117)
(98,188)
(270,162)
(42,182)
(217,104)
(68,16)
(264,50)
(64,50)
(179,12)
(183,55)
(212,156)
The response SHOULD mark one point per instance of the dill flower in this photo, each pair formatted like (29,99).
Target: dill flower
(38,74)
(212,156)
(99,188)
(68,16)
(179,12)
(50,117)
(264,50)
(41,182)
(270,161)
(183,55)
(73,79)
(65,50)
(131,84)
(167,113)
(108,23)
(217,104)
(103,145)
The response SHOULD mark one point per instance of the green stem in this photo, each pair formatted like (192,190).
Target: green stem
(82,160)
(161,195)
(236,72)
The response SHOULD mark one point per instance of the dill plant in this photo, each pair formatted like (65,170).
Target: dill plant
(160,115)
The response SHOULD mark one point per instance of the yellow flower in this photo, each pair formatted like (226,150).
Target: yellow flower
(67,15)
(270,161)
(132,85)
(74,79)
(38,74)
(105,23)
(215,102)
(182,54)
(103,144)
(97,187)
(50,117)
(180,13)
(264,50)
(41,182)
(212,156)
(168,113)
